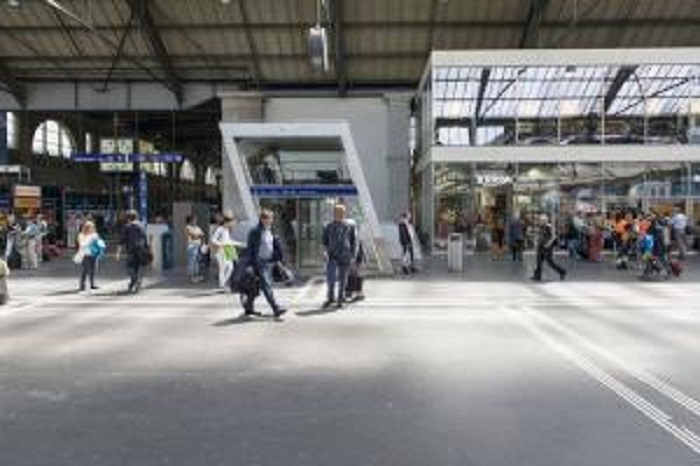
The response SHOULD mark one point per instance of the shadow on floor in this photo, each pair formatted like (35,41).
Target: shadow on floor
(243,319)
(318,312)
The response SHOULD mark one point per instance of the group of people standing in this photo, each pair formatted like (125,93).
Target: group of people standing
(24,241)
(220,245)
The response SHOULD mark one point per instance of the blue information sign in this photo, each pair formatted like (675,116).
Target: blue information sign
(127,158)
(295,191)
(143,196)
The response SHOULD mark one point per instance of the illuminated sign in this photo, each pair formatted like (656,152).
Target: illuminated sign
(493,179)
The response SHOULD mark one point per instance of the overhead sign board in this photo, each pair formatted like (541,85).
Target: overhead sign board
(303,191)
(127,158)
(116,167)
(11,169)
(27,191)
(27,203)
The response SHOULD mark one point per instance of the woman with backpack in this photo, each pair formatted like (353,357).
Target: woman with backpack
(90,248)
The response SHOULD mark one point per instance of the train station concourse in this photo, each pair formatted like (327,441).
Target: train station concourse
(334,232)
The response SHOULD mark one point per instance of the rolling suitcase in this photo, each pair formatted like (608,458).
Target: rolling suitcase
(355,283)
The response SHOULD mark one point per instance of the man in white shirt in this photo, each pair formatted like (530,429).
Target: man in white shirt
(679,233)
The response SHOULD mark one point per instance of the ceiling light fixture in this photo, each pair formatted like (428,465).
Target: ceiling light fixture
(318,39)
(59,7)
(13,3)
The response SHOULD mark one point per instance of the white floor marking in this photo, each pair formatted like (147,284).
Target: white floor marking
(681,433)
(650,380)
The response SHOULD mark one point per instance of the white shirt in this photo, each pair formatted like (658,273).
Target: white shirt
(221,237)
(267,245)
(679,221)
(84,242)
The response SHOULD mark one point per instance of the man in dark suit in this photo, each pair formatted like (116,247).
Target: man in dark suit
(340,243)
(263,251)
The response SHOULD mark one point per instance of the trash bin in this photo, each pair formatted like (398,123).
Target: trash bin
(455,252)
(168,251)
(157,234)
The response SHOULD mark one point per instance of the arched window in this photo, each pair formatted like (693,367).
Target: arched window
(211,176)
(52,138)
(187,171)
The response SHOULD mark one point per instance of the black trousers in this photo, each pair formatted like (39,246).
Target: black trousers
(133,266)
(407,248)
(516,249)
(546,255)
(88,271)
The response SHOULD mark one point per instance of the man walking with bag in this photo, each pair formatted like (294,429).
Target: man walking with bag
(547,240)
(263,251)
(340,242)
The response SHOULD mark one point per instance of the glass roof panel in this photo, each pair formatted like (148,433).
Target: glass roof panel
(548,91)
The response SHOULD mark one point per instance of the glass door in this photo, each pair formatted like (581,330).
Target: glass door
(312,216)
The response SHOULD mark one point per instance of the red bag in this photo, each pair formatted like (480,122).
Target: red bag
(676,267)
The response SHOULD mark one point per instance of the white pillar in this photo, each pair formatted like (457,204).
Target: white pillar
(237,107)
(398,153)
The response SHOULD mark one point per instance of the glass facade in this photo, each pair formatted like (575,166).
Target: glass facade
(646,104)
(496,111)
(473,198)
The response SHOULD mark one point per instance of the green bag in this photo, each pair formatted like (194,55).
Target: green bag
(230,253)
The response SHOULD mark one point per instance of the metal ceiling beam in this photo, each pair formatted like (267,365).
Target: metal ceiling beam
(350,25)
(661,91)
(483,84)
(14,87)
(432,24)
(623,74)
(119,52)
(533,26)
(341,71)
(67,31)
(141,10)
(219,58)
(252,45)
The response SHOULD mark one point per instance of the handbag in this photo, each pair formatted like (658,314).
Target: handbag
(230,253)
(78,257)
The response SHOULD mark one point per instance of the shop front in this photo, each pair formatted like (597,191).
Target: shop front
(522,133)
(478,197)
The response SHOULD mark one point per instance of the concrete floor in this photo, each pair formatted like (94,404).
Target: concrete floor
(432,371)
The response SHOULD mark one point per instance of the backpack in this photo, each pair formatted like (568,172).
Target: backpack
(97,248)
